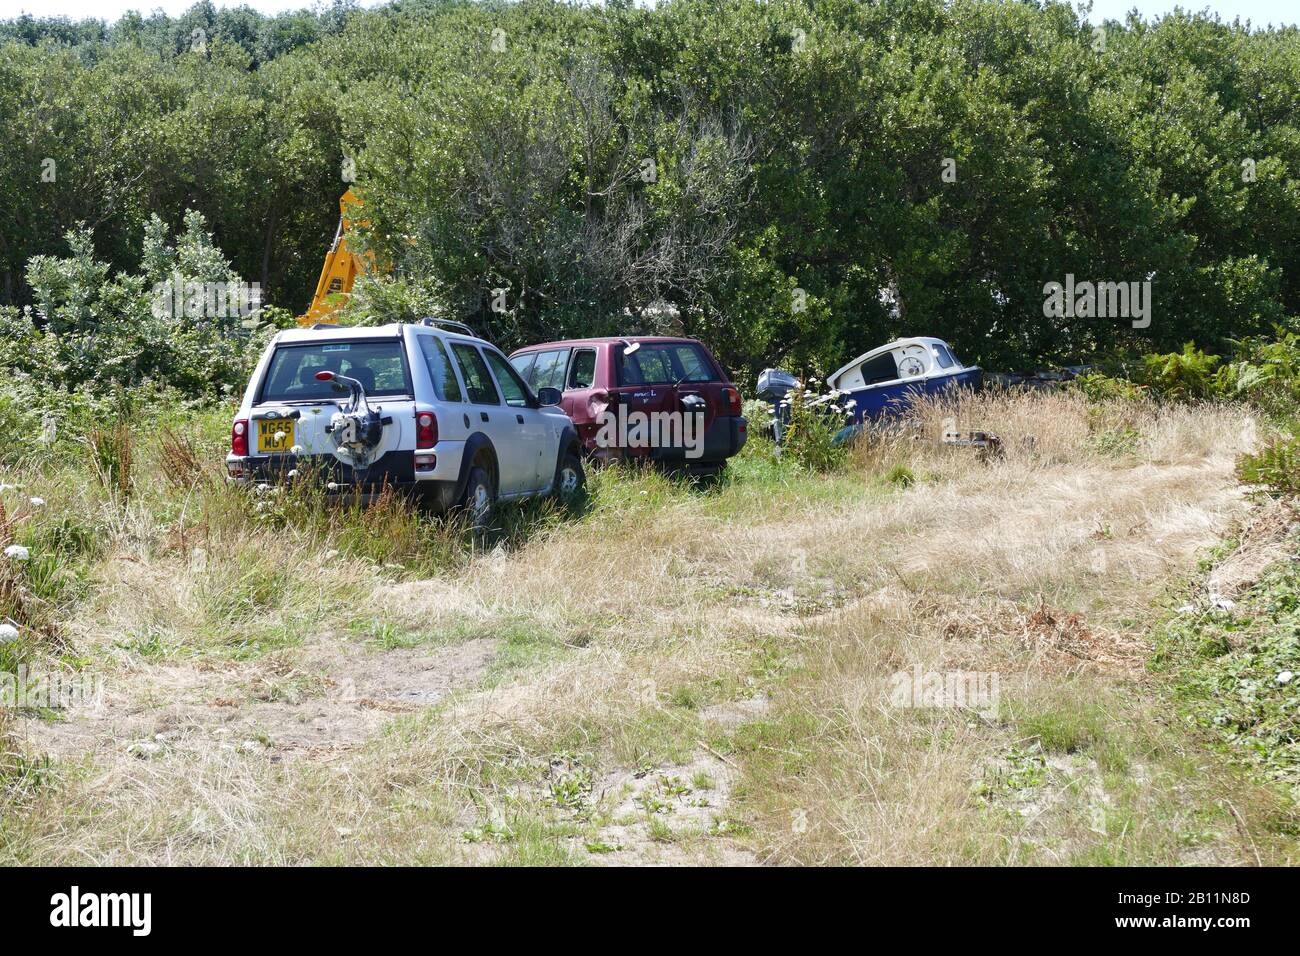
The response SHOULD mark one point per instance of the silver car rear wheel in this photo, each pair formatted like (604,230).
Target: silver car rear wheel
(479,498)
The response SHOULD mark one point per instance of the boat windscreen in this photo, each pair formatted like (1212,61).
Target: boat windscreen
(882,368)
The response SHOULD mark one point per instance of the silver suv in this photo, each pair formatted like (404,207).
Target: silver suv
(428,406)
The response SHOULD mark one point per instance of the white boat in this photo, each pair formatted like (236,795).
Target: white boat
(882,382)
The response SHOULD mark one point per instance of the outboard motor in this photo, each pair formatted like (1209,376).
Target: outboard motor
(356,428)
(773,386)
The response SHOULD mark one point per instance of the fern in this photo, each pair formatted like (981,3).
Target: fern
(1188,374)
(1276,468)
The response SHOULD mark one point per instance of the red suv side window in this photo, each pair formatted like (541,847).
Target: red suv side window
(582,370)
(549,370)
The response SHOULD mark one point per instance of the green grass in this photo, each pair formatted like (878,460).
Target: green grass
(900,475)
(1236,673)
(539,843)
(525,644)
(1078,726)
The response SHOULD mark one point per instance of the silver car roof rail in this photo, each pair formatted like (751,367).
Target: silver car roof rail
(460,327)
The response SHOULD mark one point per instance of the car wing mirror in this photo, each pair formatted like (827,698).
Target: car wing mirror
(549,395)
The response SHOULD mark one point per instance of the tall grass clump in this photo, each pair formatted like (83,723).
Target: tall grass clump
(112,456)
(392,531)
(29,578)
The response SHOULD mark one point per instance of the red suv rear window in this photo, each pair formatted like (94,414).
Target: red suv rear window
(665,363)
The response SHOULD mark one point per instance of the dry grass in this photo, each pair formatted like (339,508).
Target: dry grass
(625,634)
(182,462)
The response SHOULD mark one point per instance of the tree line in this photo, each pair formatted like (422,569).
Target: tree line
(791,181)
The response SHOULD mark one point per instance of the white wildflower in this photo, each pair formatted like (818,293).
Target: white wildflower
(37,502)
(16,552)
(1285,677)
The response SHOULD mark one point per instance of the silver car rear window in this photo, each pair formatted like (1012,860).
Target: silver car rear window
(378,365)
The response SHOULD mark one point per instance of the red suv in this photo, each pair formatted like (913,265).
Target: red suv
(666,399)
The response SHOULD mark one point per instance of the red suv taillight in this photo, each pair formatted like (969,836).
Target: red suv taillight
(732,395)
(426,429)
(239,437)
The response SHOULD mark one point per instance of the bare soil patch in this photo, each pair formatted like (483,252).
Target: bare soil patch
(334,695)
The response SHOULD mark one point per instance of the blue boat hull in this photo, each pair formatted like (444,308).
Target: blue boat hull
(884,401)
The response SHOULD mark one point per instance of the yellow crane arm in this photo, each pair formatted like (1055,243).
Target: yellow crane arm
(341,268)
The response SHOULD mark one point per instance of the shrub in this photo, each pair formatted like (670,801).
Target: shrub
(1100,387)
(19,423)
(90,328)
(38,420)
(1276,467)
(1189,374)
(1111,431)
(1264,372)
(808,437)
(381,299)
(1233,672)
